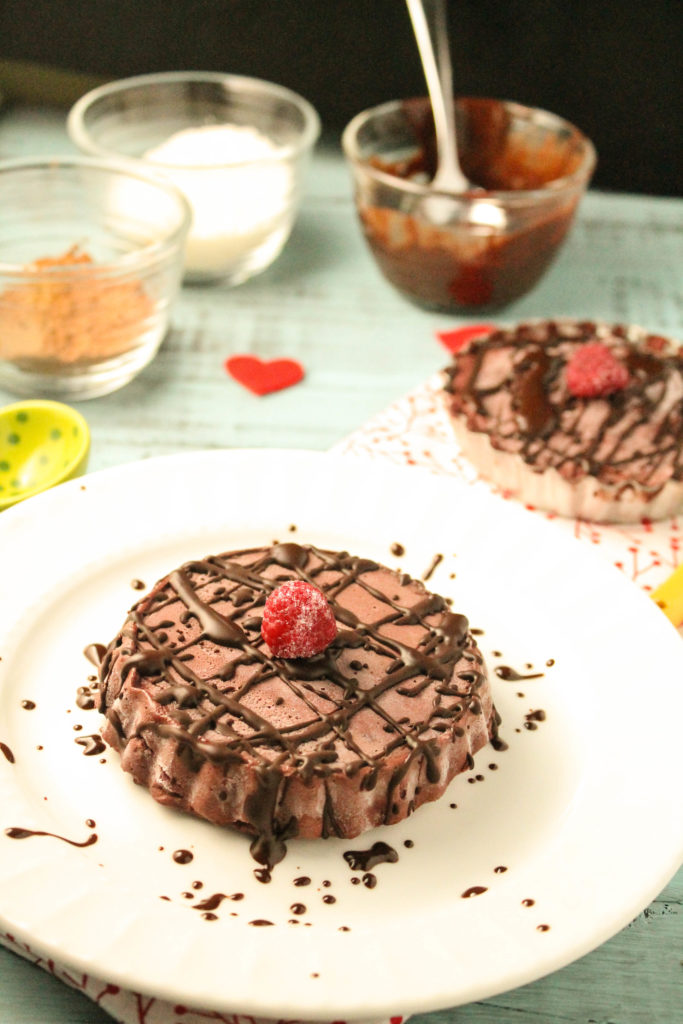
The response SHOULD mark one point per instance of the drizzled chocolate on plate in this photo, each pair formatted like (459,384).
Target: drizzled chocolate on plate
(354,737)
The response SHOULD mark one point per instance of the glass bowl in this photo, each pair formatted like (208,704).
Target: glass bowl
(478,250)
(240,160)
(91,260)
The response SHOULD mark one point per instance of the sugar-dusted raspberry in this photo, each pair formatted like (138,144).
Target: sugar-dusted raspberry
(297,621)
(594,372)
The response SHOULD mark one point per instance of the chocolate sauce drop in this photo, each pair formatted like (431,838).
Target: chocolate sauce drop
(27,833)
(137,584)
(260,923)
(369,880)
(95,653)
(262,875)
(543,928)
(298,908)
(500,870)
(363,860)
(5,750)
(528,903)
(302,880)
(183,856)
(28,705)
(531,720)
(510,675)
(329,898)
(474,890)
(91,744)
(85,697)
(398,550)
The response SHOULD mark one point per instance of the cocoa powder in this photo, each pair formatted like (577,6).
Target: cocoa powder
(72,312)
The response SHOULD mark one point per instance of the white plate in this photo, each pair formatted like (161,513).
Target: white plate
(581,810)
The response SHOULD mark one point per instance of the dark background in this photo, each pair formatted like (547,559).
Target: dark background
(613,67)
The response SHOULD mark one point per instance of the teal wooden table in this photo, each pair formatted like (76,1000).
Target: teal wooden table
(362,346)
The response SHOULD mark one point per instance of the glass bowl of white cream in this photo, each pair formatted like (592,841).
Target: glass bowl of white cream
(237,147)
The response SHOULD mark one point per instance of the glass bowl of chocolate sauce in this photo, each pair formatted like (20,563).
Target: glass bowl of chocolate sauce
(490,245)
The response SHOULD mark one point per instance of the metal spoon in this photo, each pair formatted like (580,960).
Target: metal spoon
(430,25)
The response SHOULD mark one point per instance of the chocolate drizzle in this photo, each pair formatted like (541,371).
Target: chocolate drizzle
(213,902)
(630,438)
(511,675)
(408,670)
(27,833)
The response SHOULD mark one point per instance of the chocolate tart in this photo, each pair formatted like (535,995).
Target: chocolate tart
(355,737)
(615,458)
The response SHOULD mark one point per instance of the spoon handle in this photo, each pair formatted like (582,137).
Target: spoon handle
(430,25)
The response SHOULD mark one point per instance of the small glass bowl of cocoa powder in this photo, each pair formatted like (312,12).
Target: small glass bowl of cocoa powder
(91,259)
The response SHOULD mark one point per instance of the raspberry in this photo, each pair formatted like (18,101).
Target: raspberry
(297,621)
(594,372)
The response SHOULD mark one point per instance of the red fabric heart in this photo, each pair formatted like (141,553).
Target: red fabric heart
(458,338)
(263,376)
